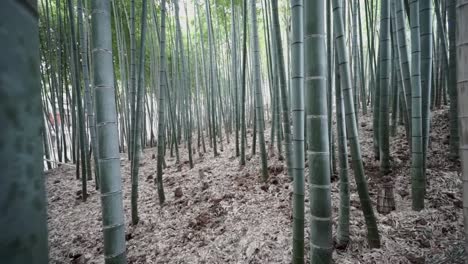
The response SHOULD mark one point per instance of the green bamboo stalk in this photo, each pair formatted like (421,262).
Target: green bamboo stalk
(123,67)
(162,93)
(258,92)
(405,65)
(444,65)
(376,111)
(354,6)
(330,55)
(52,83)
(272,73)
(384,86)
(185,87)
(342,236)
(23,221)
(361,61)
(77,88)
(139,116)
(282,87)
(89,102)
(372,230)
(106,124)
(454,140)
(425,16)
(396,74)
(212,74)
(234,73)
(132,86)
(188,108)
(317,125)
(298,121)
(244,76)
(462,75)
(60,83)
(418,179)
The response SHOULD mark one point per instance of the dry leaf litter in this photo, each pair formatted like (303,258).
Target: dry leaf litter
(219,212)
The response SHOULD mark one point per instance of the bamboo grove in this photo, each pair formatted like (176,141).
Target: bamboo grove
(91,81)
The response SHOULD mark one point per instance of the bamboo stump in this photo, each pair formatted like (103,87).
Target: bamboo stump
(386,198)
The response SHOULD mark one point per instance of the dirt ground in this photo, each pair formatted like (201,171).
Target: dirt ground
(227,215)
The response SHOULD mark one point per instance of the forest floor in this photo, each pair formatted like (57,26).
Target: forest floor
(224,213)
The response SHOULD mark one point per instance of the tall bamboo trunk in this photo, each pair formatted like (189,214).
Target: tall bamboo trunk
(384,78)
(243,88)
(81,139)
(283,89)
(298,121)
(342,235)
(107,132)
(162,94)
(258,92)
(212,77)
(418,179)
(425,11)
(139,116)
(404,64)
(318,137)
(371,223)
(452,82)
(23,222)
(462,85)
(234,74)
